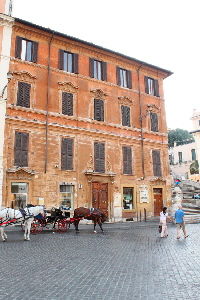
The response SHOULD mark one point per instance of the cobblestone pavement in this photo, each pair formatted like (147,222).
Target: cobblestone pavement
(128,261)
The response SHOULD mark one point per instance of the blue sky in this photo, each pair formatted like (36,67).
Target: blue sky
(164,33)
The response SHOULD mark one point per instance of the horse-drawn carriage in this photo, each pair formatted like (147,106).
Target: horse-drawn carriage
(54,219)
(35,218)
(60,221)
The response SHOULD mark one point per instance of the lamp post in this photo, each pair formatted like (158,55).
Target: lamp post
(2,128)
(9,77)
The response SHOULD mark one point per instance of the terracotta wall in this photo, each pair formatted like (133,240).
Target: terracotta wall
(81,126)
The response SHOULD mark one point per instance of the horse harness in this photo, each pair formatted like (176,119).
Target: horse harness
(7,220)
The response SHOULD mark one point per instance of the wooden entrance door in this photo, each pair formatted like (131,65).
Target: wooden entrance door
(158,202)
(100,196)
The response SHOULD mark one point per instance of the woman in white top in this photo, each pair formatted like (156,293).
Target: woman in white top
(163,221)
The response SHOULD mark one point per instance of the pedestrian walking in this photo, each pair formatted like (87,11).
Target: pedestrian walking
(163,221)
(180,222)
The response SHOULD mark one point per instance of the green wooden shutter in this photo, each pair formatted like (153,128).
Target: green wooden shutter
(99,157)
(34,51)
(104,71)
(21,149)
(67,104)
(102,158)
(125,115)
(24,149)
(18,47)
(27,88)
(118,75)
(127,160)
(75,63)
(129,79)
(23,94)
(61,59)
(17,149)
(156,163)
(156,88)
(70,154)
(99,110)
(67,154)
(154,122)
(92,67)
(146,84)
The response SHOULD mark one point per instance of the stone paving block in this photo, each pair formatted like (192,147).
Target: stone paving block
(129,261)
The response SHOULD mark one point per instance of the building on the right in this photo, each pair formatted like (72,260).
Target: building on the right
(196,133)
(181,156)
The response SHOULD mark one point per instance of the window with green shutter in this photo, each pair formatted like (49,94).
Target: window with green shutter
(67,154)
(23,94)
(151,86)
(125,110)
(68,61)
(98,110)
(154,122)
(98,69)
(26,49)
(156,163)
(21,149)
(127,160)
(67,104)
(124,77)
(99,157)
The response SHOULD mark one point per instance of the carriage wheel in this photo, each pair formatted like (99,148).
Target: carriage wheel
(36,227)
(61,226)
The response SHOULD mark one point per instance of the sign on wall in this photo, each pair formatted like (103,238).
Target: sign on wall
(144,195)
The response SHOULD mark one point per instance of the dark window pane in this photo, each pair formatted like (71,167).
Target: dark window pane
(29,51)
(123,78)
(193,154)
(69,62)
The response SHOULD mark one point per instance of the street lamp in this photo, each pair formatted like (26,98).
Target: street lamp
(147,112)
(9,77)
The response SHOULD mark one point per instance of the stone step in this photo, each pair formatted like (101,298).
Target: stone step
(192,219)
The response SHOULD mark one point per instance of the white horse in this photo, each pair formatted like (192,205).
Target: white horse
(26,216)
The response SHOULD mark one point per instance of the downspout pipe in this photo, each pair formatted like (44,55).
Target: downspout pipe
(47,103)
(141,120)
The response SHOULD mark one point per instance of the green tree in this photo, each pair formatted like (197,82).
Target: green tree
(194,167)
(180,136)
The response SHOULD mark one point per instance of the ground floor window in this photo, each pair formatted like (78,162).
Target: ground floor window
(19,194)
(128,198)
(66,197)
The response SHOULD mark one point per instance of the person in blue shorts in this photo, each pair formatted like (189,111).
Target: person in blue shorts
(180,222)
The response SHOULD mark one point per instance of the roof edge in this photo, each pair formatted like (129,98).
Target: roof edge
(169,73)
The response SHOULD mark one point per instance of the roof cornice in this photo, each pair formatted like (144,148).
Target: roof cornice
(48,30)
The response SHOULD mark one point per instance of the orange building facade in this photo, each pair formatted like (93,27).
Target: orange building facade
(85,126)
